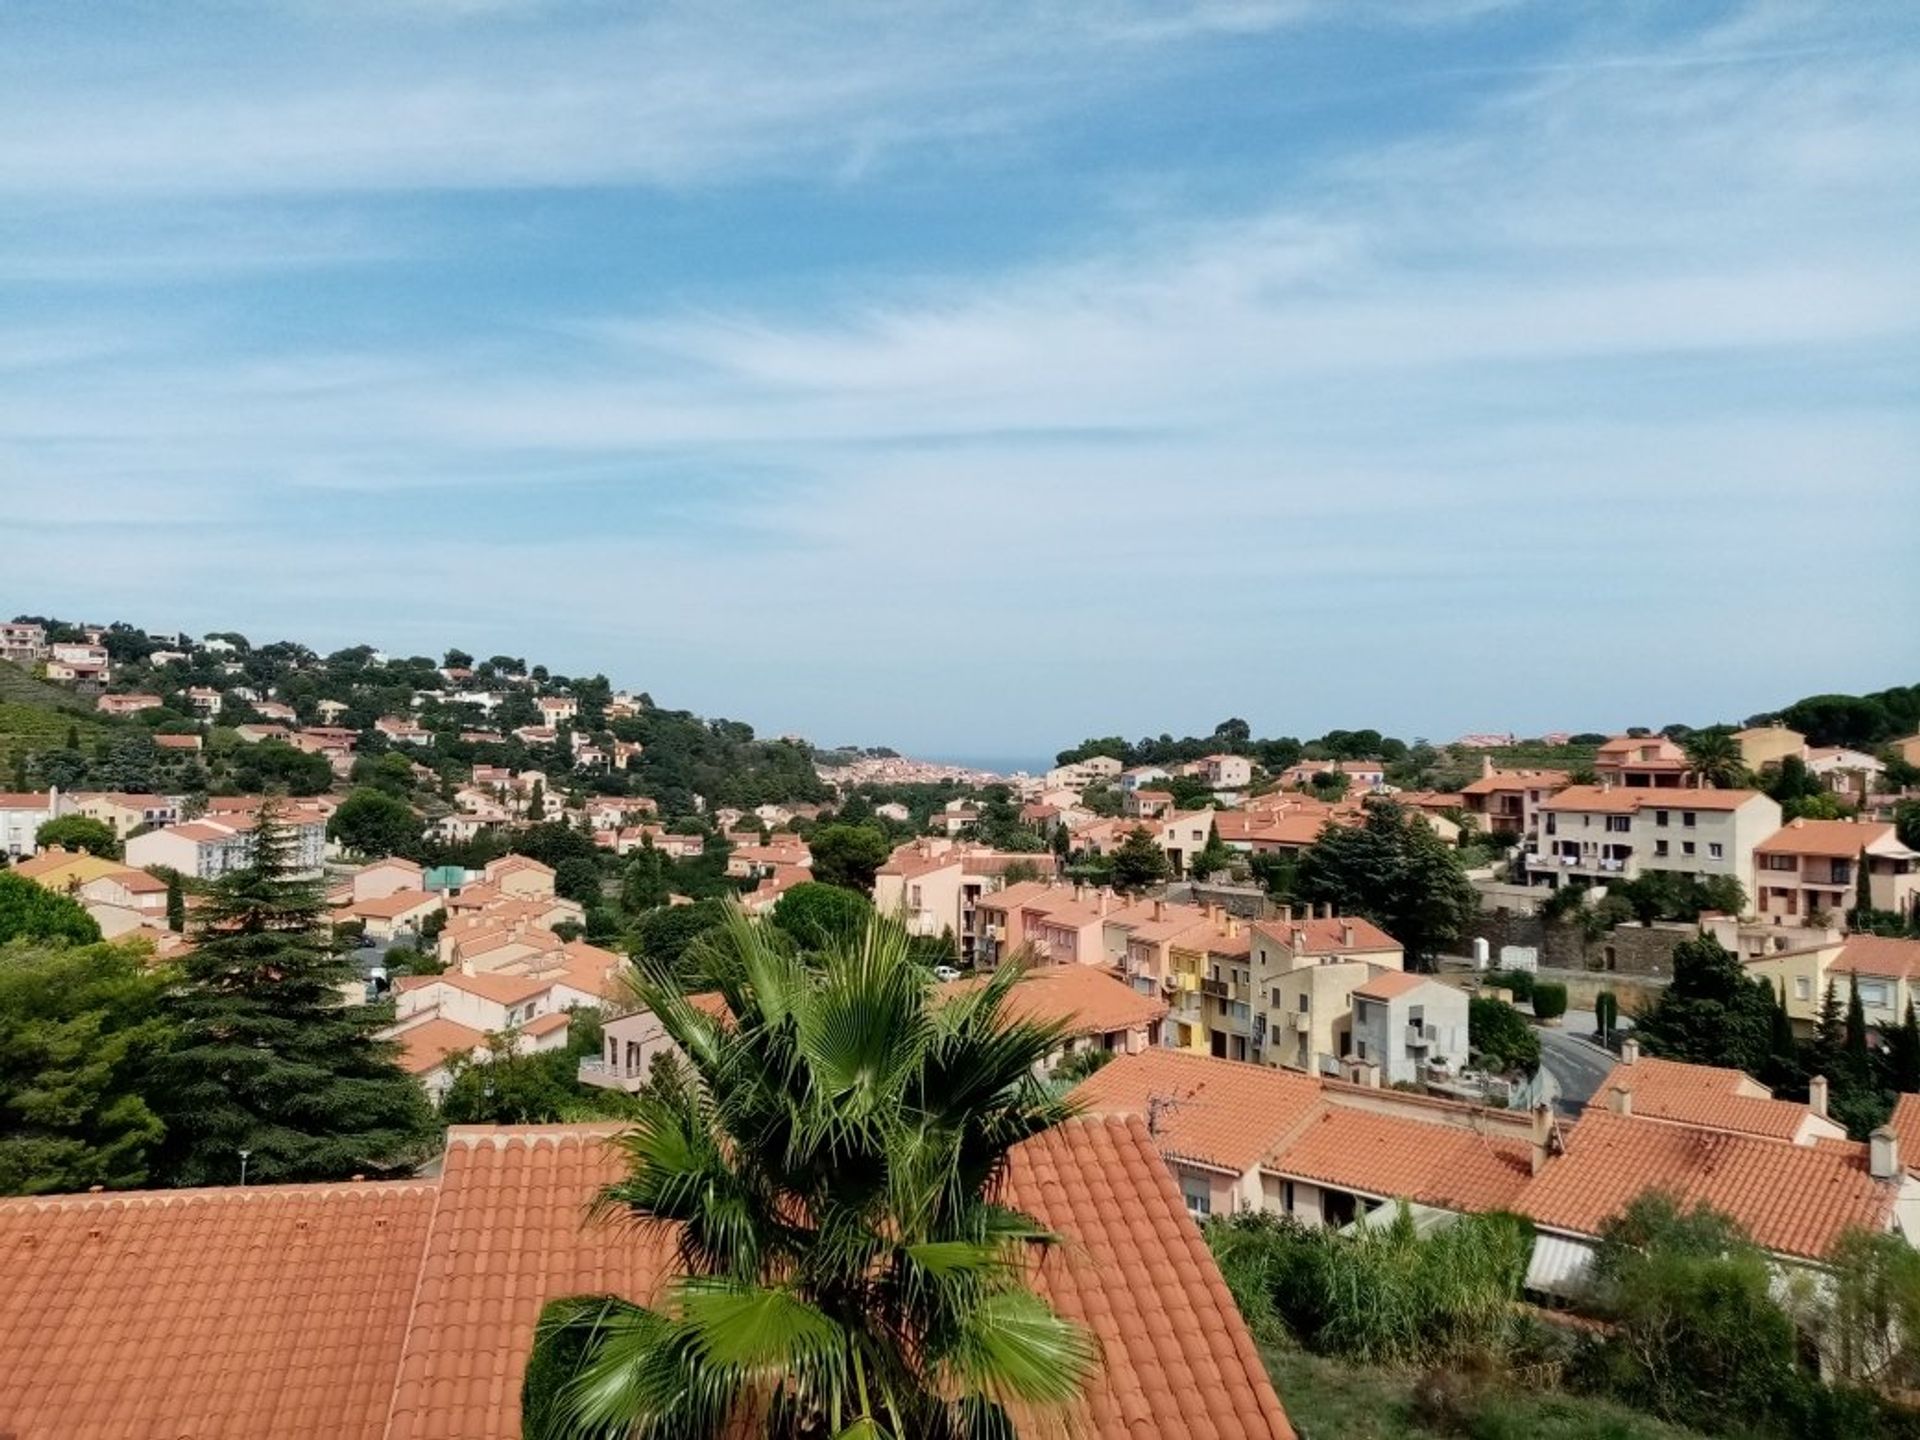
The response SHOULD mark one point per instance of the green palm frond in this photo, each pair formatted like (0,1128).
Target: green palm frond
(1013,1345)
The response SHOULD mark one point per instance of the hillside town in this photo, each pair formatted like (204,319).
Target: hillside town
(1342,984)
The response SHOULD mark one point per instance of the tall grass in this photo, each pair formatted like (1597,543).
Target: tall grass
(1386,1296)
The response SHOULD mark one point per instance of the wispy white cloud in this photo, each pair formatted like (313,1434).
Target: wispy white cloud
(1505,388)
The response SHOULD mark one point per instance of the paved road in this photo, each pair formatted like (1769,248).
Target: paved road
(1577,1066)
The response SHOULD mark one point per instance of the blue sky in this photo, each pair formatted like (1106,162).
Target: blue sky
(974,378)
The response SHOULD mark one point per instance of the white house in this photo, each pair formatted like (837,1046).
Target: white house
(1404,1023)
(21,816)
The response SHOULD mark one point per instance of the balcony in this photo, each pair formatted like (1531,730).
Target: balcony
(603,1076)
(1422,1037)
(1217,989)
(1302,1021)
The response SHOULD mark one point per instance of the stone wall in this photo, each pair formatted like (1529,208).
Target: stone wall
(1625,950)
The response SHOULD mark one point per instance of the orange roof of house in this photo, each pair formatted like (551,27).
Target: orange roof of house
(1878,955)
(406,1311)
(1399,1158)
(1327,935)
(1905,1122)
(546,1024)
(1087,999)
(1709,1096)
(1226,1114)
(387,907)
(1626,800)
(1793,1199)
(1390,983)
(426,1046)
(221,1314)
(1504,780)
(1836,839)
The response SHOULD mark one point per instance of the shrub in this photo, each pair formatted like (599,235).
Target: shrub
(1501,1035)
(1519,982)
(1549,1001)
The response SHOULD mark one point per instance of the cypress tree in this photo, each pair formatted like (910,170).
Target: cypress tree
(271,1059)
(1903,1054)
(176,903)
(1855,1039)
(1863,896)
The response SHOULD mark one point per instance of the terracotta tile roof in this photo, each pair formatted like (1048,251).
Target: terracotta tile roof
(1328,935)
(1905,1122)
(1178,1363)
(1177,1359)
(220,1314)
(1878,955)
(546,1024)
(388,907)
(1087,998)
(1709,1096)
(426,1046)
(1226,1114)
(1391,983)
(1626,800)
(1505,780)
(1793,1199)
(1398,1158)
(1836,839)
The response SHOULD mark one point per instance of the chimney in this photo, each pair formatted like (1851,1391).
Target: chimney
(1817,1096)
(1159,909)
(1883,1154)
(1486,766)
(1286,914)
(1629,1051)
(1346,937)
(1233,926)
(1105,896)
(1542,1136)
(1217,914)
(1620,1100)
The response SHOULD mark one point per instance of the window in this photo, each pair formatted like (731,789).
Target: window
(1688,818)
(1416,1015)
(1660,818)
(1359,1012)
(1782,862)
(1659,847)
(1304,1006)
(1686,847)
(1619,824)
(1198,1193)
(1360,1049)
(1715,850)
(1286,1196)
(1872,992)
(1802,987)
(1552,828)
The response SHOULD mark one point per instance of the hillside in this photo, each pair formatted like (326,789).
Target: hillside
(37,716)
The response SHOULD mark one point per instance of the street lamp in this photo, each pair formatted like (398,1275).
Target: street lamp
(243,1165)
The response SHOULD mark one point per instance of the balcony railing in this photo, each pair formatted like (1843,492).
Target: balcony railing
(1218,989)
(1419,1037)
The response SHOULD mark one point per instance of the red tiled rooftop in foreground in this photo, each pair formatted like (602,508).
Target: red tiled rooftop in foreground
(1391,1157)
(273,1310)
(1793,1199)
(405,1311)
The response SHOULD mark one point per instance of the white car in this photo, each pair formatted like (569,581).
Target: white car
(945,972)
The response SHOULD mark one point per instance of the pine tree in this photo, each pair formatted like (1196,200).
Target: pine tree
(1782,1069)
(270,1059)
(176,903)
(1829,1042)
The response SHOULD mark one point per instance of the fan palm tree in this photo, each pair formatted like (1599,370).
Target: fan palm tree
(827,1163)
(1713,758)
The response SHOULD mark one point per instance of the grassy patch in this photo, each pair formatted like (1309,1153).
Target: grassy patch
(36,716)
(1327,1400)
(17,687)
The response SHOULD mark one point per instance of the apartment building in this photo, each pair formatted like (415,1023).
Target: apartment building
(22,813)
(1410,1026)
(124,813)
(937,885)
(1305,969)
(1809,871)
(1650,762)
(22,643)
(1509,801)
(211,847)
(1764,745)
(1616,832)
(1884,972)
(79,661)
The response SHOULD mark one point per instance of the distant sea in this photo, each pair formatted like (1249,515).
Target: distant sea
(999,764)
